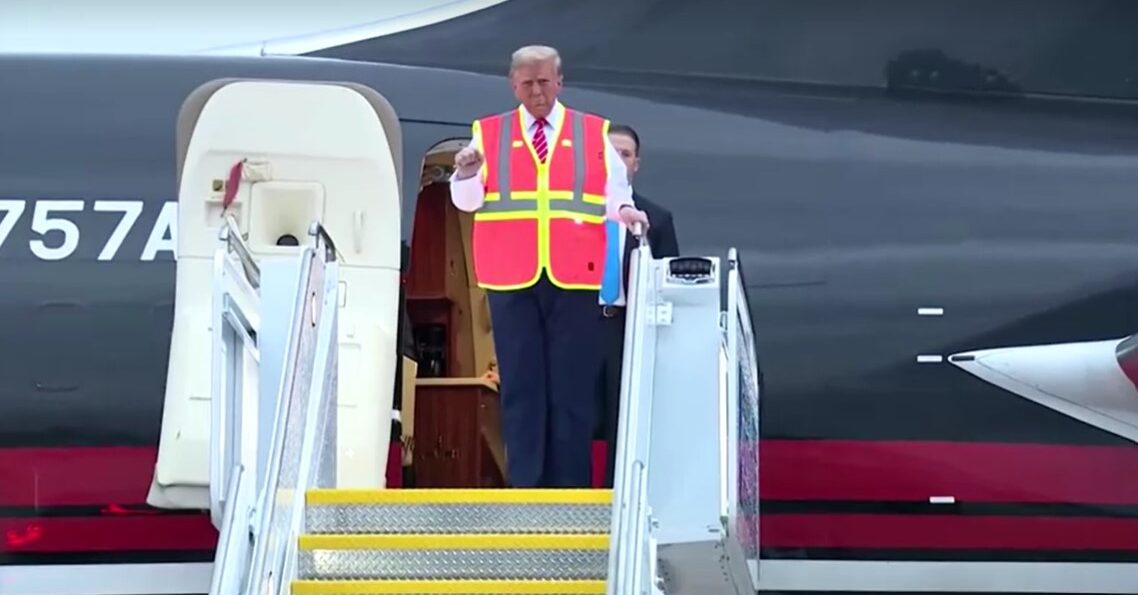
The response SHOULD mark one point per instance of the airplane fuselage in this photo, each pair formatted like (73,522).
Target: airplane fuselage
(879,236)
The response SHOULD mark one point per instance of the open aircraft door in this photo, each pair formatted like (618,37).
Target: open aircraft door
(291,152)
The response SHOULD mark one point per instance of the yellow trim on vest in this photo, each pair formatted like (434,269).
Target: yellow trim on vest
(527,284)
(476,140)
(597,219)
(576,286)
(526,195)
(506,216)
(605,134)
(596,199)
(522,285)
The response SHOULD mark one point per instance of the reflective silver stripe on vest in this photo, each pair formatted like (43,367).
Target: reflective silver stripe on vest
(579,160)
(579,204)
(506,203)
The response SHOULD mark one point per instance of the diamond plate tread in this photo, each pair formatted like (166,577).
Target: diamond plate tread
(485,557)
(458,511)
(474,541)
(459,587)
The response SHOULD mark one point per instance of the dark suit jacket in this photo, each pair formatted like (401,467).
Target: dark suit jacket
(661,233)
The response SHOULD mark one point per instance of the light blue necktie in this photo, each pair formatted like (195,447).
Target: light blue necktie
(610,282)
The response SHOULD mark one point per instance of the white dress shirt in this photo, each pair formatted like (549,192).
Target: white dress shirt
(469,194)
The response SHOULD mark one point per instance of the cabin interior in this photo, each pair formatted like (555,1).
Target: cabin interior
(449,435)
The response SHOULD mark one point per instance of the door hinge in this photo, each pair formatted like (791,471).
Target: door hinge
(660,314)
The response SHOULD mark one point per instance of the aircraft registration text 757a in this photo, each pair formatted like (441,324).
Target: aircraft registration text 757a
(88,229)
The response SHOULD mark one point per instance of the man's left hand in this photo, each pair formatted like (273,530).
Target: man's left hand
(630,216)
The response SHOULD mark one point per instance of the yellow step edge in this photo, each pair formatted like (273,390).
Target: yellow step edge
(471,541)
(459,496)
(424,587)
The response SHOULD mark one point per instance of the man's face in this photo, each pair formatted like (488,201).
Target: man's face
(536,87)
(626,146)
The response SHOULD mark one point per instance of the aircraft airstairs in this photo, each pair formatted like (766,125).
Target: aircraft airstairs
(681,519)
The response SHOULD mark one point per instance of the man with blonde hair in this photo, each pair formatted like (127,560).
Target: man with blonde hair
(542,179)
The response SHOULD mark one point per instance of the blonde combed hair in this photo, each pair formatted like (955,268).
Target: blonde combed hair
(533,54)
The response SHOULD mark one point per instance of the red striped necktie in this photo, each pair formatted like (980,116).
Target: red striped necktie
(540,146)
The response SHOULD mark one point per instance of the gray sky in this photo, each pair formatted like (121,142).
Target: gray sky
(192,26)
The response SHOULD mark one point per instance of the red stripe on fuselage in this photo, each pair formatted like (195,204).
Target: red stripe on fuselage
(111,480)
(914,471)
(946,532)
(38,477)
(802,470)
(790,470)
(107,534)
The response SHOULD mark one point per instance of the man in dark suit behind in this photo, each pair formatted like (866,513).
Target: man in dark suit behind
(662,239)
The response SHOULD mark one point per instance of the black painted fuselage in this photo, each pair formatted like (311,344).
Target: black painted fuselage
(853,214)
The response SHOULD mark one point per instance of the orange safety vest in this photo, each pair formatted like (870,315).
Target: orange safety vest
(542,216)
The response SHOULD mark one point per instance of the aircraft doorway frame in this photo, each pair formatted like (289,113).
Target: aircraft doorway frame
(274,155)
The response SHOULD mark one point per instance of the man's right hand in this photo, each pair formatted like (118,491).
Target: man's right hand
(467,162)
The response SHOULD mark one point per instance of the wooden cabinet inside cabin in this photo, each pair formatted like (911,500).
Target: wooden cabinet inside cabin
(455,440)
(458,434)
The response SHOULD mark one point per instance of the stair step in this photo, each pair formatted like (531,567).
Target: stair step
(454,557)
(436,511)
(460,587)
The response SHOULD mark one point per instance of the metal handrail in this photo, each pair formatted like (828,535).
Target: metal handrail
(743,378)
(629,554)
(322,239)
(235,243)
(251,545)
(234,526)
(270,560)
(264,495)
